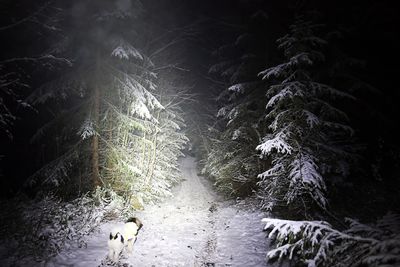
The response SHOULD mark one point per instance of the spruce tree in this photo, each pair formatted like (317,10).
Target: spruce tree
(307,142)
(110,118)
(232,161)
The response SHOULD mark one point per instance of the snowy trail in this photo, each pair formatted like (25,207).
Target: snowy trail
(193,228)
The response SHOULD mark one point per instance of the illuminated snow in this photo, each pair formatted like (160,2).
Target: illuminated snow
(194,227)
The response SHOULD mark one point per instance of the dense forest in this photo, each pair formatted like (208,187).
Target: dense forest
(288,105)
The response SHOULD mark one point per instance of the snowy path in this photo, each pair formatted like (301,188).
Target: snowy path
(193,228)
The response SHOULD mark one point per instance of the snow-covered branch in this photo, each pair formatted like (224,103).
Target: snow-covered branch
(25,19)
(317,243)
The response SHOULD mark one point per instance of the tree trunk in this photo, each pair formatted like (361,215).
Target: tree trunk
(95,141)
(153,157)
(96,121)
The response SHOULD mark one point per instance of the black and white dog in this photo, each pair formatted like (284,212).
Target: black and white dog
(125,237)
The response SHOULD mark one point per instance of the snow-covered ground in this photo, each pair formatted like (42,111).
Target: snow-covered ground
(193,228)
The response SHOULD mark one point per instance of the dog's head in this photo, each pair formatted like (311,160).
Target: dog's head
(116,235)
(135,221)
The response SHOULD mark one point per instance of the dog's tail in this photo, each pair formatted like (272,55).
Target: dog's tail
(136,221)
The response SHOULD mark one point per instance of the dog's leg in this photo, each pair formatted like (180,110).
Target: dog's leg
(116,256)
(110,254)
(130,245)
(113,255)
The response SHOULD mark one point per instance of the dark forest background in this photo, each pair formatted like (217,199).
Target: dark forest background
(220,63)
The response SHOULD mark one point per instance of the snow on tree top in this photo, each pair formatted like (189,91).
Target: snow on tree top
(126,51)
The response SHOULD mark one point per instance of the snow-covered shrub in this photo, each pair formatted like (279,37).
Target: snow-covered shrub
(42,227)
(317,243)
